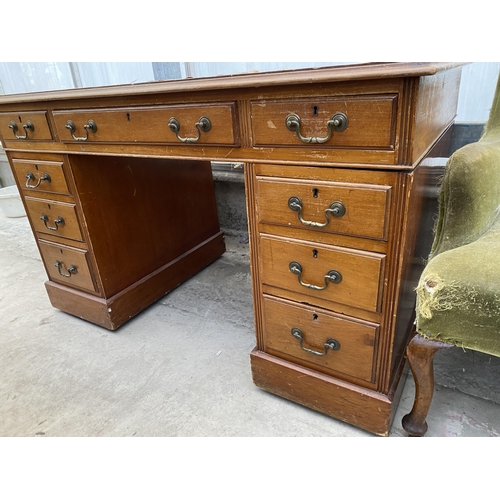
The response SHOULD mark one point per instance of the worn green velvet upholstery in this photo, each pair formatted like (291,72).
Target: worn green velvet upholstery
(458,296)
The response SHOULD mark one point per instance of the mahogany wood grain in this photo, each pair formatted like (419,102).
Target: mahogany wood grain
(68,257)
(325,238)
(414,228)
(328,173)
(146,210)
(337,307)
(70,228)
(355,405)
(114,312)
(41,130)
(290,156)
(143,213)
(80,304)
(255,257)
(362,272)
(374,79)
(52,238)
(345,73)
(435,110)
(366,206)
(354,360)
(371,122)
(150,124)
(38,169)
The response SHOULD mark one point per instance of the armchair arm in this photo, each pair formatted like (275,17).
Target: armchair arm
(458,295)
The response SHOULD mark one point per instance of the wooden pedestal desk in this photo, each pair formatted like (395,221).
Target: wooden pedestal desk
(117,185)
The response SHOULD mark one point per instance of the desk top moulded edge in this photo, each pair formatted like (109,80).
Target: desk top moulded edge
(367,71)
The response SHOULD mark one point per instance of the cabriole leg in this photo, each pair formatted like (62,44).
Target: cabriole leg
(420,354)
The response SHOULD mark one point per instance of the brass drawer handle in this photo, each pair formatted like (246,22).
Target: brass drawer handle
(337,123)
(203,125)
(58,222)
(331,277)
(332,344)
(71,269)
(28,126)
(30,177)
(91,125)
(336,209)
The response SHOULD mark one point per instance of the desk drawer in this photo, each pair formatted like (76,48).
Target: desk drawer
(42,176)
(362,122)
(27,126)
(66,265)
(55,218)
(335,274)
(292,330)
(333,207)
(196,124)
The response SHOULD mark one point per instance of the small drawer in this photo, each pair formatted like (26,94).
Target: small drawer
(335,274)
(25,126)
(55,218)
(189,124)
(333,207)
(359,122)
(333,344)
(43,176)
(68,266)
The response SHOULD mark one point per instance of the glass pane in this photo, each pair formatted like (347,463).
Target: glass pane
(17,77)
(93,74)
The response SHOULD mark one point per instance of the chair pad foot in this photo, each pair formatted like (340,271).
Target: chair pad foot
(414,429)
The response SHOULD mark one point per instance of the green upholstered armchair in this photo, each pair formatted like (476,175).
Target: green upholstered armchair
(458,295)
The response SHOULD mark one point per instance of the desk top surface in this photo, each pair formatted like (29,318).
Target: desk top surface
(367,71)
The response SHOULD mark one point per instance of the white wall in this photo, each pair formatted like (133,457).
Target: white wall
(476,91)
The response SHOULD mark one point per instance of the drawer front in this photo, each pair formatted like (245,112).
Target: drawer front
(68,266)
(359,122)
(26,125)
(330,273)
(42,176)
(333,207)
(341,345)
(55,218)
(151,125)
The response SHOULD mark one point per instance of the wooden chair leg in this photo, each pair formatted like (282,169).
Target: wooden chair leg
(420,354)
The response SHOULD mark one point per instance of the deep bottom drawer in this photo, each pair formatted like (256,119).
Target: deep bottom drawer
(333,344)
(68,266)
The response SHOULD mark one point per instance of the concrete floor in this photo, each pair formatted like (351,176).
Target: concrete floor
(180,368)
